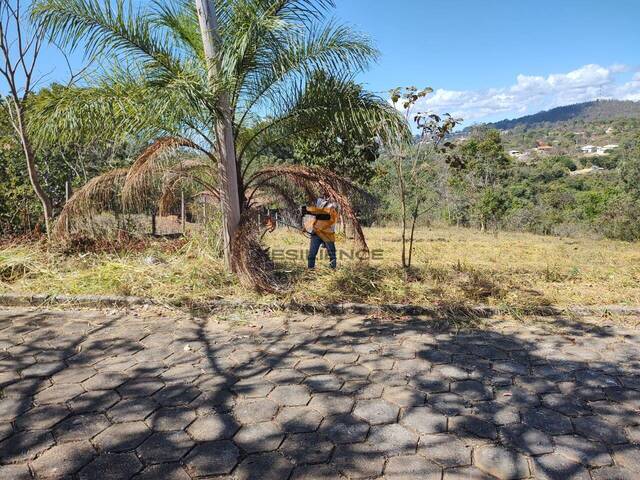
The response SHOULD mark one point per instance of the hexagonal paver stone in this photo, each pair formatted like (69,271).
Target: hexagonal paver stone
(212,458)
(423,420)
(41,418)
(112,466)
(94,401)
(213,402)
(445,449)
(11,407)
(171,418)
(472,390)
(80,427)
(15,472)
(565,404)
(324,383)
(45,369)
(313,366)
(259,437)
(252,387)
(122,437)
(597,429)
(378,363)
(290,395)
(165,447)
(331,403)
(344,429)
(613,473)
(627,456)
(501,462)
(357,461)
(24,445)
(298,419)
(131,410)
(392,439)
(175,395)
(340,358)
(496,413)
(165,471)
(448,403)
(140,387)
(352,372)
(596,379)
(255,411)
(403,396)
(548,421)
(526,439)
(303,448)
(466,473)
(63,460)
(315,472)
(105,381)
(58,394)
(284,376)
(264,466)
(452,372)
(376,412)
(581,450)
(213,427)
(410,467)
(557,467)
(473,425)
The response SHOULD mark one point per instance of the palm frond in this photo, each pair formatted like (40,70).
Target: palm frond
(143,181)
(100,194)
(320,182)
(108,27)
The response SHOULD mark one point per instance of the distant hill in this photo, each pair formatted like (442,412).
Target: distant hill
(597,110)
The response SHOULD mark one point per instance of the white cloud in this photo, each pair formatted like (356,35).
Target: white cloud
(531,93)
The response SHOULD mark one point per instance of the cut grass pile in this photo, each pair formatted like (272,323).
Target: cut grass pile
(452,266)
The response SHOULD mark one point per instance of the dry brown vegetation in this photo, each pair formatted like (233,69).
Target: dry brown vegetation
(453,266)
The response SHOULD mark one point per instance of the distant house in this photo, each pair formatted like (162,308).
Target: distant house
(594,150)
(587,171)
(607,148)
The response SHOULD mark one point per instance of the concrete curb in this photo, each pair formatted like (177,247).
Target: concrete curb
(483,311)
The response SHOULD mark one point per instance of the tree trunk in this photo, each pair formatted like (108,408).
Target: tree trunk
(225,142)
(34,178)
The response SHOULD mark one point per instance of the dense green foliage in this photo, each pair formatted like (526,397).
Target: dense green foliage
(493,191)
(20,210)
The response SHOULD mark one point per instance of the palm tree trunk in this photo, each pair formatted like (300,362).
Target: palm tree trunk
(34,178)
(225,141)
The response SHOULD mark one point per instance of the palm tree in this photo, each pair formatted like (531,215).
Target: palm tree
(283,67)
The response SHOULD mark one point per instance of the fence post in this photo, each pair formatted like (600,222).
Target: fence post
(67,195)
(182,212)
(153,222)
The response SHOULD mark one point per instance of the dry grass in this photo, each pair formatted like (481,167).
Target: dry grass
(453,266)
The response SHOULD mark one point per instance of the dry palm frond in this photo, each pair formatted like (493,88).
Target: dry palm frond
(175,179)
(100,194)
(142,179)
(250,261)
(318,181)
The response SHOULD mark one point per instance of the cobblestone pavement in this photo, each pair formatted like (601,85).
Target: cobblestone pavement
(93,396)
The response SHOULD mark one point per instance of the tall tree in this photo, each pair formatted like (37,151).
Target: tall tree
(229,199)
(20,49)
(227,82)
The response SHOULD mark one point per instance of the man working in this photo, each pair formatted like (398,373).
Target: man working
(319,221)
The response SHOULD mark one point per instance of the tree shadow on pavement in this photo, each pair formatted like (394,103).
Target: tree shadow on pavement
(89,396)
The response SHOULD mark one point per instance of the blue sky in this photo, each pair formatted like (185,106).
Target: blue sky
(472,51)
(491,59)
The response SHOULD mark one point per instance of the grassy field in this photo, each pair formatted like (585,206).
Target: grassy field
(452,266)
